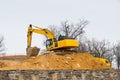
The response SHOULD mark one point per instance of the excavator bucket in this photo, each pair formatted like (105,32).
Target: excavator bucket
(32,51)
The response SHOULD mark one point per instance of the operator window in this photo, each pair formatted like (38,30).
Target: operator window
(48,42)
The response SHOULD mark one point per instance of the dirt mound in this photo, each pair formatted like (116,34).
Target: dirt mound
(15,57)
(52,61)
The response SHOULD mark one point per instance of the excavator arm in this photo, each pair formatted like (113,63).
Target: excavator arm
(33,51)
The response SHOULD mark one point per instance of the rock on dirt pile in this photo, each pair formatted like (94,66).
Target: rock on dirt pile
(52,61)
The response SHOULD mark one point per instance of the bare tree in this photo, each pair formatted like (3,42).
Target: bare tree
(55,30)
(82,44)
(109,56)
(98,47)
(69,29)
(82,47)
(73,30)
(2,48)
(116,51)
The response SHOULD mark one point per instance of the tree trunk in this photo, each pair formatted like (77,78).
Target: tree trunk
(118,62)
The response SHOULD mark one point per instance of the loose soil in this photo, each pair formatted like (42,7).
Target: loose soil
(53,61)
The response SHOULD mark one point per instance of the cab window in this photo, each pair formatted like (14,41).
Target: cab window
(48,43)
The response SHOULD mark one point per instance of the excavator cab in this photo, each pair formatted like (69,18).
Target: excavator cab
(51,43)
(48,43)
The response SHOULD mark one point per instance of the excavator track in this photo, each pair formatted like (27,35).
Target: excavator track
(63,52)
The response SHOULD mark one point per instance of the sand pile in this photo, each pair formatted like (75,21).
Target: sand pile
(55,62)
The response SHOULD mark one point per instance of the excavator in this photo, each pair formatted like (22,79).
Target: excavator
(52,44)
(63,43)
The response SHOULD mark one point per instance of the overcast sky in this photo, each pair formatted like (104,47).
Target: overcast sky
(16,15)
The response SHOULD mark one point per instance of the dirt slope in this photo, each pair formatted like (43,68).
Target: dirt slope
(55,62)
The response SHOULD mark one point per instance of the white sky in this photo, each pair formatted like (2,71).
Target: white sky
(16,15)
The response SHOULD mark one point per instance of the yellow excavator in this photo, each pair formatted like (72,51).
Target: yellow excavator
(52,44)
(63,43)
